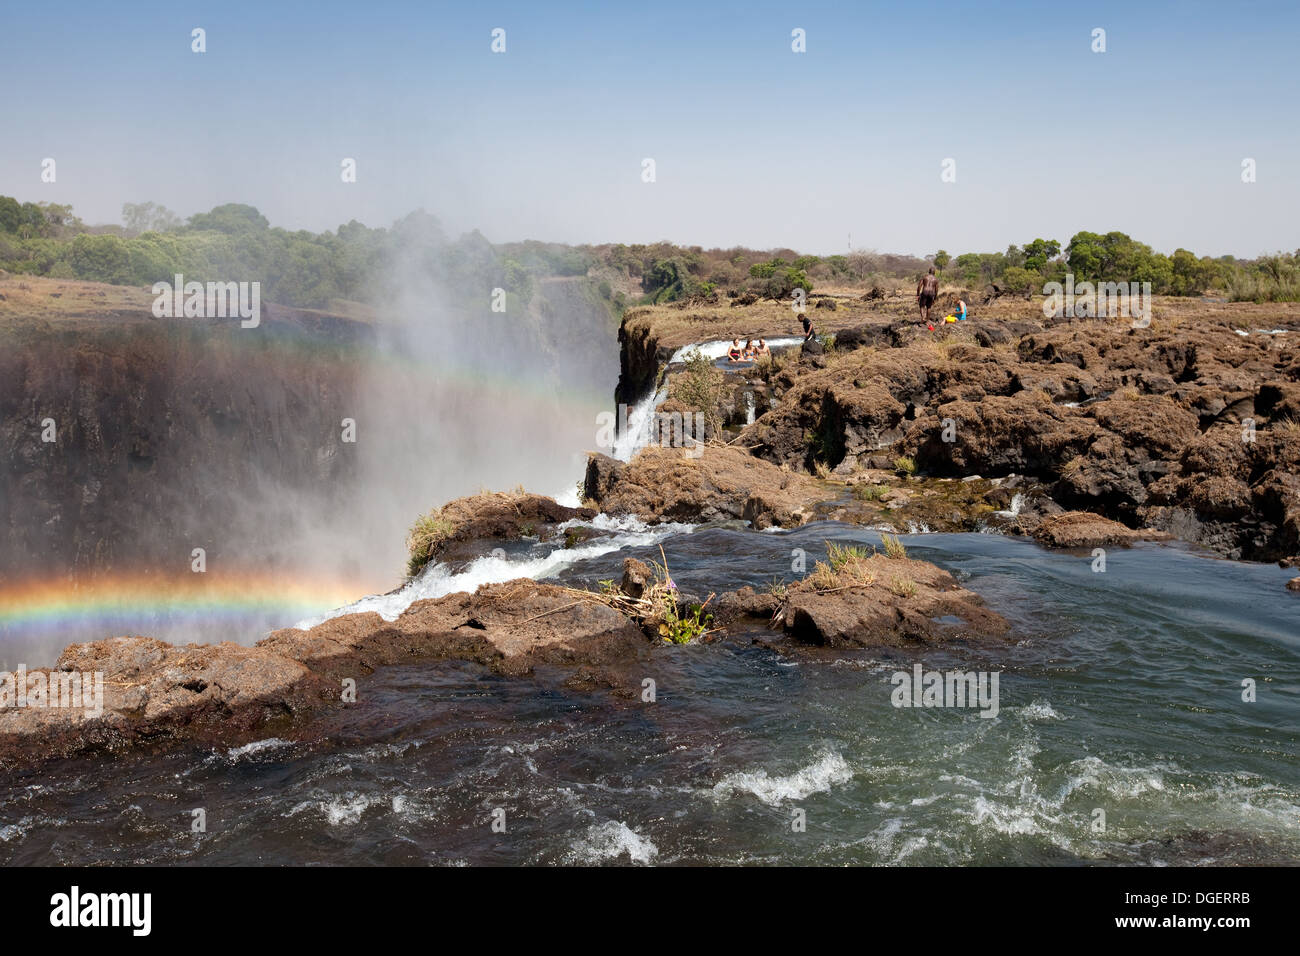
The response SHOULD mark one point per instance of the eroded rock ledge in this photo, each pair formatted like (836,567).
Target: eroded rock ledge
(227,694)
(706,483)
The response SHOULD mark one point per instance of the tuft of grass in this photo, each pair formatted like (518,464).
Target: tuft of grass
(903,587)
(845,566)
(777,588)
(840,555)
(821,469)
(822,578)
(905,465)
(893,547)
(426,534)
(865,492)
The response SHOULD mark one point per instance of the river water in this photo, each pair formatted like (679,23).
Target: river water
(1120,695)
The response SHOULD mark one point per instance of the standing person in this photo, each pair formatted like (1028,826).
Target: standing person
(808,332)
(927,290)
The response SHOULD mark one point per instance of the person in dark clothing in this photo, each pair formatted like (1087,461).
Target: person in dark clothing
(808,332)
(927,290)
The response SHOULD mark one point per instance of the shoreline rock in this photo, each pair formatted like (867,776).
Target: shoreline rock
(881,601)
(706,483)
(1083,529)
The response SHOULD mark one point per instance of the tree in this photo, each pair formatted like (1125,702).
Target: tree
(141,217)
(1018,279)
(1039,252)
(232,218)
(941,260)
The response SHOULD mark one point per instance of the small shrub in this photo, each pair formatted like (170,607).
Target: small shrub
(701,387)
(682,627)
(865,492)
(905,465)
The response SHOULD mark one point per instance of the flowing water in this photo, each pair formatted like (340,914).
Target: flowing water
(1121,692)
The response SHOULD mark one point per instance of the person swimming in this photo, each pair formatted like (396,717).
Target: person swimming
(749,352)
(761,348)
(735,352)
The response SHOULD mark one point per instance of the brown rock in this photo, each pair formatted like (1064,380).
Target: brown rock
(886,602)
(668,484)
(637,577)
(157,691)
(508,626)
(1082,529)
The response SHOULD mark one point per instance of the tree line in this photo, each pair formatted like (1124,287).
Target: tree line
(310,270)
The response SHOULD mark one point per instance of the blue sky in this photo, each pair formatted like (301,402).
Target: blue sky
(753,144)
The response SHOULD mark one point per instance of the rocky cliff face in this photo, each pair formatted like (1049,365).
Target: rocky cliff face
(169,435)
(175,434)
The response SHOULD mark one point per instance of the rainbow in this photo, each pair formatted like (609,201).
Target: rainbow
(126,602)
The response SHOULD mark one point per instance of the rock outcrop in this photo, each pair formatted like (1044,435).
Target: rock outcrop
(1082,529)
(1187,428)
(881,601)
(483,519)
(159,692)
(709,483)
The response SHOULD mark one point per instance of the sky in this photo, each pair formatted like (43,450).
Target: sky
(753,144)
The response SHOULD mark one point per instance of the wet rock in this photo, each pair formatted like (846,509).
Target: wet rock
(885,602)
(717,483)
(1081,529)
(1293,584)
(746,603)
(637,577)
(487,517)
(158,692)
(509,627)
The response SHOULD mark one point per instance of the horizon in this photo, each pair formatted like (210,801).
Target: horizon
(754,145)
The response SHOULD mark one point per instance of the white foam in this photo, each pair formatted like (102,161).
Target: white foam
(257,746)
(341,811)
(1017,502)
(438,580)
(1040,710)
(826,772)
(610,840)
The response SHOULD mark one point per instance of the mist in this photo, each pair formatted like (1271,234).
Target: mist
(234,441)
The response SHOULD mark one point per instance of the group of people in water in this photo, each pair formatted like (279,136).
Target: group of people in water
(749,353)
